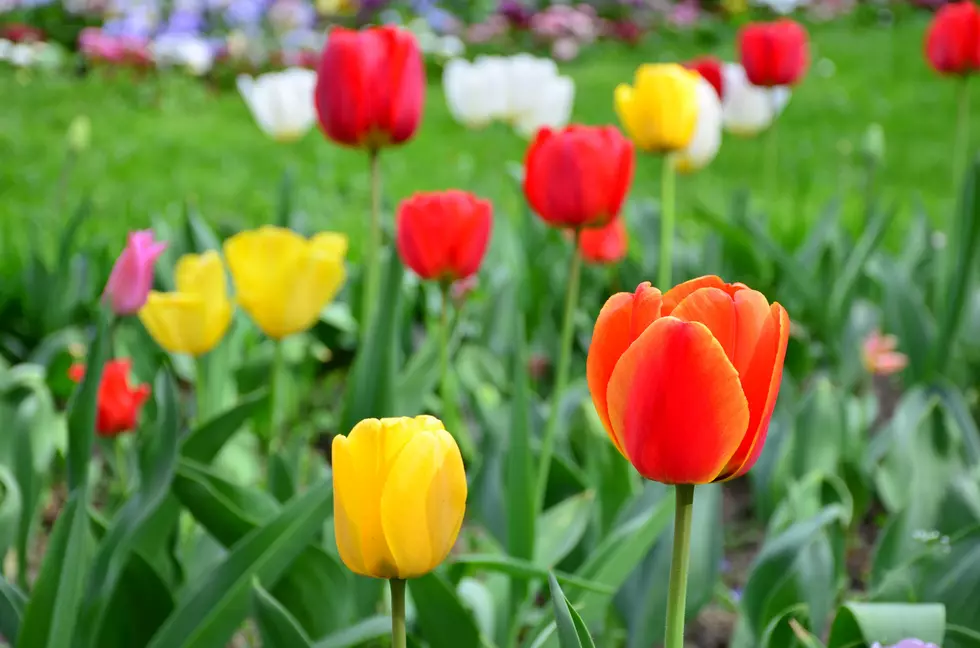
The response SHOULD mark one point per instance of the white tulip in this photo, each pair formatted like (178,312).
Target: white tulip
(21,55)
(783,7)
(707,133)
(6,47)
(476,92)
(190,52)
(281,102)
(749,109)
(552,106)
(529,76)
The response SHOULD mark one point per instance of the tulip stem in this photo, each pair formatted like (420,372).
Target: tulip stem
(398,639)
(772,161)
(121,467)
(677,590)
(962,144)
(561,376)
(200,391)
(272,439)
(444,345)
(373,250)
(667,217)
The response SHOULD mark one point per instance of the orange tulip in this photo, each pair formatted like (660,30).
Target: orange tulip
(685,382)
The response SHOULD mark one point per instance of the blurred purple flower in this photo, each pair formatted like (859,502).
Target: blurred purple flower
(441,21)
(908,643)
(289,15)
(517,14)
(487,31)
(185,22)
(245,13)
(685,13)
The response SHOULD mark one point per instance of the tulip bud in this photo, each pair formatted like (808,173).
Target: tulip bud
(606,244)
(399,496)
(79,134)
(132,275)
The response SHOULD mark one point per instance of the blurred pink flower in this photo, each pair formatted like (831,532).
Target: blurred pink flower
(564,49)
(96,45)
(484,32)
(462,288)
(908,643)
(132,275)
(685,13)
(879,354)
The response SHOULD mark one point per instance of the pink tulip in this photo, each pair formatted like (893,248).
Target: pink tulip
(132,275)
(880,356)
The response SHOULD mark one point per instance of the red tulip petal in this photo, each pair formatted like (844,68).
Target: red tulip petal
(751,311)
(716,310)
(676,400)
(676,295)
(761,386)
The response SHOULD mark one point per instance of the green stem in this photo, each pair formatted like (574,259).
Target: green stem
(121,475)
(372,275)
(962,145)
(667,216)
(272,439)
(444,334)
(677,590)
(561,377)
(772,161)
(398,639)
(201,390)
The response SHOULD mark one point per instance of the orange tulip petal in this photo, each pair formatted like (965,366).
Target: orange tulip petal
(715,309)
(761,386)
(676,295)
(676,400)
(647,302)
(752,311)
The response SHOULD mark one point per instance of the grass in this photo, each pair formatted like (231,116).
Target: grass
(160,142)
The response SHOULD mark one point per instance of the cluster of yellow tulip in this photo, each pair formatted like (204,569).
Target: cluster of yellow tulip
(282,279)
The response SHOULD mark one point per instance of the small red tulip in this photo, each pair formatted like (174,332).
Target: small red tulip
(953,39)
(709,68)
(607,244)
(578,176)
(774,53)
(119,404)
(443,235)
(370,87)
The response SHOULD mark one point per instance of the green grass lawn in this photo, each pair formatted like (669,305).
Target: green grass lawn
(148,154)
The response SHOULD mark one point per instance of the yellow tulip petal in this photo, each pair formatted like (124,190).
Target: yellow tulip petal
(346,531)
(331,243)
(216,325)
(404,505)
(176,322)
(446,505)
(203,275)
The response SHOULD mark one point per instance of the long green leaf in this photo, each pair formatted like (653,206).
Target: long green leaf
(12,603)
(364,633)
(212,610)
(519,476)
(50,615)
(567,634)
(205,442)
(277,626)
(561,527)
(444,620)
(861,624)
(526,570)
(28,482)
(82,409)
(157,470)
(11,503)
(871,237)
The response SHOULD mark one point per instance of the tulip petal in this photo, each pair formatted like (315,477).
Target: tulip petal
(175,321)
(676,295)
(676,400)
(716,310)
(752,311)
(761,386)
(202,275)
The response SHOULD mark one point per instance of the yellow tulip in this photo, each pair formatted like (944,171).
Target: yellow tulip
(283,280)
(399,496)
(660,110)
(195,317)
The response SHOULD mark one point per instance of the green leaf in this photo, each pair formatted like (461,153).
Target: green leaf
(10,509)
(205,441)
(157,471)
(518,471)
(82,408)
(140,604)
(51,613)
(364,633)
(216,606)
(820,430)
(871,237)
(12,604)
(906,311)
(444,620)
(861,624)
(277,626)
(965,236)
(200,236)
(28,481)
(525,570)
(788,630)
(370,390)
(572,631)
(561,527)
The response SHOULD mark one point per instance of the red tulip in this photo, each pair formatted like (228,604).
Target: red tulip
(607,244)
(370,87)
(953,39)
(21,33)
(443,235)
(685,382)
(774,53)
(710,70)
(118,404)
(578,176)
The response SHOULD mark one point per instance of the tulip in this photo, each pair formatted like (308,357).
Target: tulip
(193,53)
(660,110)
(118,403)
(784,7)
(685,383)
(283,280)
(607,244)
(370,87)
(774,53)
(281,102)
(704,146)
(879,355)
(747,109)
(710,70)
(132,275)
(476,92)
(578,176)
(443,235)
(953,39)
(195,317)
(552,107)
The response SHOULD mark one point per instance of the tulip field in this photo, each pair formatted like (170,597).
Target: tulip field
(621,324)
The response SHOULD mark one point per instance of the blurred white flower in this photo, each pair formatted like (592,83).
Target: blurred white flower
(5,48)
(281,102)
(783,6)
(476,92)
(450,47)
(749,109)
(707,134)
(189,52)
(552,107)
(21,55)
